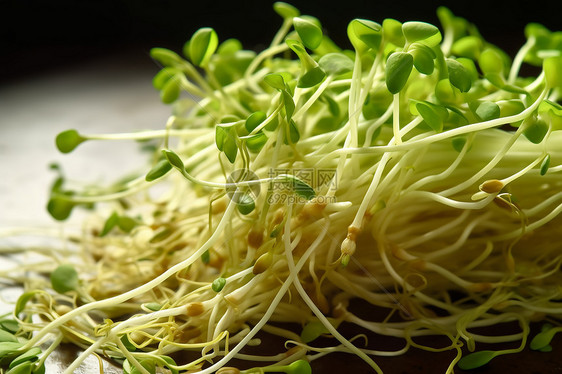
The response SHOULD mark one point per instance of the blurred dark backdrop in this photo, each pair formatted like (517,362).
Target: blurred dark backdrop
(42,36)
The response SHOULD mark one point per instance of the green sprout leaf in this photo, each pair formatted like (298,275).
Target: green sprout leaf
(336,64)
(166,57)
(225,139)
(364,34)
(206,257)
(246,204)
(468,46)
(545,164)
(476,359)
(161,168)
(312,330)
(23,368)
(309,31)
(60,207)
(9,325)
(153,306)
(127,343)
(459,75)
(458,143)
(432,114)
(490,62)
(148,364)
(294,135)
(202,45)
(256,142)
(311,78)
(543,338)
(299,367)
(64,279)
(68,140)
(127,224)
(552,67)
(551,112)
(285,10)
(111,222)
(398,68)
(174,159)
(29,356)
(275,80)
(288,103)
(536,131)
(422,32)
(23,300)
(163,76)
(254,120)
(487,110)
(423,58)
(170,91)
(229,47)
(218,284)
(392,31)
(6,336)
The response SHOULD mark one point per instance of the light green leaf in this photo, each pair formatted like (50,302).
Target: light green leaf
(536,131)
(299,367)
(313,330)
(60,207)
(423,58)
(551,112)
(170,91)
(6,336)
(487,110)
(309,31)
(163,76)
(336,64)
(288,103)
(254,120)
(423,32)
(174,159)
(161,168)
(392,31)
(545,164)
(166,57)
(311,78)
(64,279)
(468,46)
(476,359)
(398,68)
(552,67)
(112,221)
(364,34)
(67,140)
(256,142)
(490,61)
(25,367)
(275,80)
(459,76)
(202,45)
(458,143)
(30,356)
(218,284)
(285,10)
(229,47)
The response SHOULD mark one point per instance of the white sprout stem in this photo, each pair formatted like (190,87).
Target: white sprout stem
(294,272)
(139,290)
(271,309)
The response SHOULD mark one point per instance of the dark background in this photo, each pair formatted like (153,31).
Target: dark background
(39,37)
